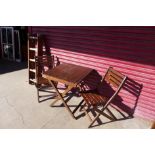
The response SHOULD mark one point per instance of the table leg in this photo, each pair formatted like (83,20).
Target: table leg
(62,95)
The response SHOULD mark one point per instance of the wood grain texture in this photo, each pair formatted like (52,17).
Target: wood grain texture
(67,73)
(153,126)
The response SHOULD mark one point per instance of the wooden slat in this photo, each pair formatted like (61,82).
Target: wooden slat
(33,49)
(93,98)
(32,60)
(33,80)
(118,74)
(68,73)
(114,82)
(33,70)
(114,77)
(153,126)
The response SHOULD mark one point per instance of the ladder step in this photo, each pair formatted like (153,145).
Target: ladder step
(32,60)
(33,49)
(32,37)
(33,70)
(33,80)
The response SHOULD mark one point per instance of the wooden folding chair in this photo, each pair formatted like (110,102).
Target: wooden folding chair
(153,126)
(42,64)
(94,98)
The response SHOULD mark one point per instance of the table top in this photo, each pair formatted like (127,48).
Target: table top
(67,73)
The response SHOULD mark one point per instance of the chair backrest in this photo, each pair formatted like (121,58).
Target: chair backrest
(42,64)
(114,78)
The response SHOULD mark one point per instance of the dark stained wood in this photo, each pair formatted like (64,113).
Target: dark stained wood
(153,126)
(67,73)
(117,73)
(114,77)
(61,97)
(114,82)
(42,63)
(93,98)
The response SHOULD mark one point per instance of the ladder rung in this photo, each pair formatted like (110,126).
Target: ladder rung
(32,37)
(33,80)
(33,49)
(33,60)
(33,70)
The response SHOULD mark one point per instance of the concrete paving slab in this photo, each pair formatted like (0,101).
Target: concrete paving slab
(19,107)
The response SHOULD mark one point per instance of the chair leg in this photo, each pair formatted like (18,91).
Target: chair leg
(111,114)
(97,116)
(38,95)
(92,122)
(85,111)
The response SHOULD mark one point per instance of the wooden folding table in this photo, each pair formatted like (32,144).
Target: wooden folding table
(68,74)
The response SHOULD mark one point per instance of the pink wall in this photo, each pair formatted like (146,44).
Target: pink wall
(130,50)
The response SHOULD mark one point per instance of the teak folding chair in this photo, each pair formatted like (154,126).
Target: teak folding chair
(94,98)
(153,126)
(43,63)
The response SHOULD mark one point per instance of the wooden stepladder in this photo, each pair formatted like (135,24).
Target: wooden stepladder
(35,48)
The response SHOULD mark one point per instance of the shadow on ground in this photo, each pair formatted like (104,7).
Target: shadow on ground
(9,66)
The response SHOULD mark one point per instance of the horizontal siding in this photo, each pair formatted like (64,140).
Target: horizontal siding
(130,50)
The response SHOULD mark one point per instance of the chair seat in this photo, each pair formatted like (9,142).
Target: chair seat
(94,98)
